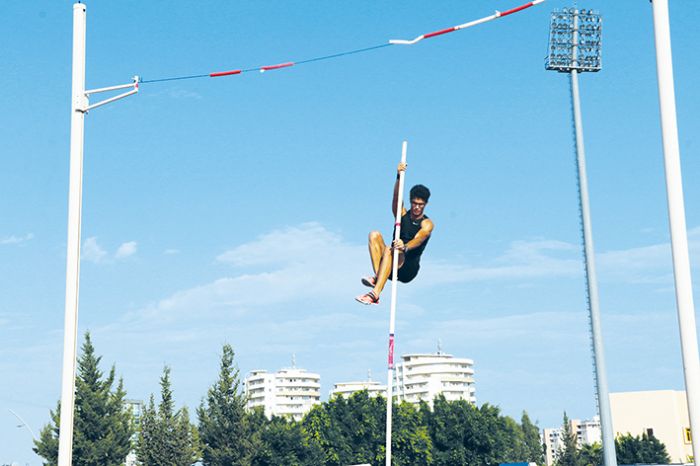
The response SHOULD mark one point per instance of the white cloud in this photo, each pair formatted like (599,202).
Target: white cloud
(170,252)
(126,250)
(92,251)
(646,264)
(305,243)
(309,263)
(16,239)
(305,262)
(522,260)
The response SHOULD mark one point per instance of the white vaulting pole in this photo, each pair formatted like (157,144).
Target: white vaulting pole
(70,337)
(392,318)
(676,214)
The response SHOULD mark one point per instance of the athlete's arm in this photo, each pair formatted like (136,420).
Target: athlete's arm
(401,168)
(426,228)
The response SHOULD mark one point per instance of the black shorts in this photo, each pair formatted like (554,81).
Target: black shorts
(408,271)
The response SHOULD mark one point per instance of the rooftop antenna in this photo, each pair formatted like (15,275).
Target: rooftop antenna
(294,361)
(439,346)
(369,375)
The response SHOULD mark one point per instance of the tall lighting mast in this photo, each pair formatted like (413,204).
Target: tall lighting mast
(574,47)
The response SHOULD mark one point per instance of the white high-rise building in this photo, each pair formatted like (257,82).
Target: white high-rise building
(425,376)
(135,407)
(348,388)
(587,432)
(288,392)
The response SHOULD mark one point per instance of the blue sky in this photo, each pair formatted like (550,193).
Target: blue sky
(236,209)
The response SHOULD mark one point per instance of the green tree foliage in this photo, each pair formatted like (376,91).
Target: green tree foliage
(592,454)
(569,456)
(285,443)
(102,427)
(533,444)
(352,431)
(644,449)
(410,441)
(349,430)
(166,436)
(463,434)
(226,433)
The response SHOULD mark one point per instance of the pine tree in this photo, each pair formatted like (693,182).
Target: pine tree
(569,456)
(224,430)
(533,443)
(102,427)
(166,435)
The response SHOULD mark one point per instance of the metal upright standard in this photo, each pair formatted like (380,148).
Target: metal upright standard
(575,46)
(79,107)
(392,318)
(676,215)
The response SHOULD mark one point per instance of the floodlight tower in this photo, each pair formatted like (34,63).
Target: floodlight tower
(575,46)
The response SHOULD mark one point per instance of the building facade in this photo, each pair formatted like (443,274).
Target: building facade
(663,413)
(348,388)
(587,432)
(135,407)
(422,377)
(288,393)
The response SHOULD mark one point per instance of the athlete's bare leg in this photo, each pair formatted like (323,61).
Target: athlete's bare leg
(376,249)
(384,269)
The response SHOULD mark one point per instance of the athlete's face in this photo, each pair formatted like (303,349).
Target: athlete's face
(417,207)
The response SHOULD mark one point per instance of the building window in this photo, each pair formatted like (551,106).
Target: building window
(687,436)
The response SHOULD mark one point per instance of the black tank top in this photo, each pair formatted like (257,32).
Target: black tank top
(409,229)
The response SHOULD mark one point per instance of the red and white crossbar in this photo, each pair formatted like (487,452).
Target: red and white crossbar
(496,15)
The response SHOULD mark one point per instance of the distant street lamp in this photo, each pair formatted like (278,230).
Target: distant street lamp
(575,46)
(24,424)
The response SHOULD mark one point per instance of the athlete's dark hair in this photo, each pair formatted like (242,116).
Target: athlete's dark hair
(421,192)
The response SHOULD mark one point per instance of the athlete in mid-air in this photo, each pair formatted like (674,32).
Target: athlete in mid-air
(416,228)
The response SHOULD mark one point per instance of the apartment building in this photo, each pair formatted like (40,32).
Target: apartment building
(587,432)
(290,392)
(422,377)
(346,389)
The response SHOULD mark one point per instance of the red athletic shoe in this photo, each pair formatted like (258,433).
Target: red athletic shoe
(369,298)
(369,281)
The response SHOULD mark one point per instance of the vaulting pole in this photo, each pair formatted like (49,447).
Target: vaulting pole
(70,331)
(392,318)
(676,216)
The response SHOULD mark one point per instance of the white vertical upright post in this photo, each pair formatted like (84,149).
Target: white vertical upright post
(392,318)
(70,337)
(676,214)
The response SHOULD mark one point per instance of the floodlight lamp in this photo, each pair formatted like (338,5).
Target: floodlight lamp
(575,38)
